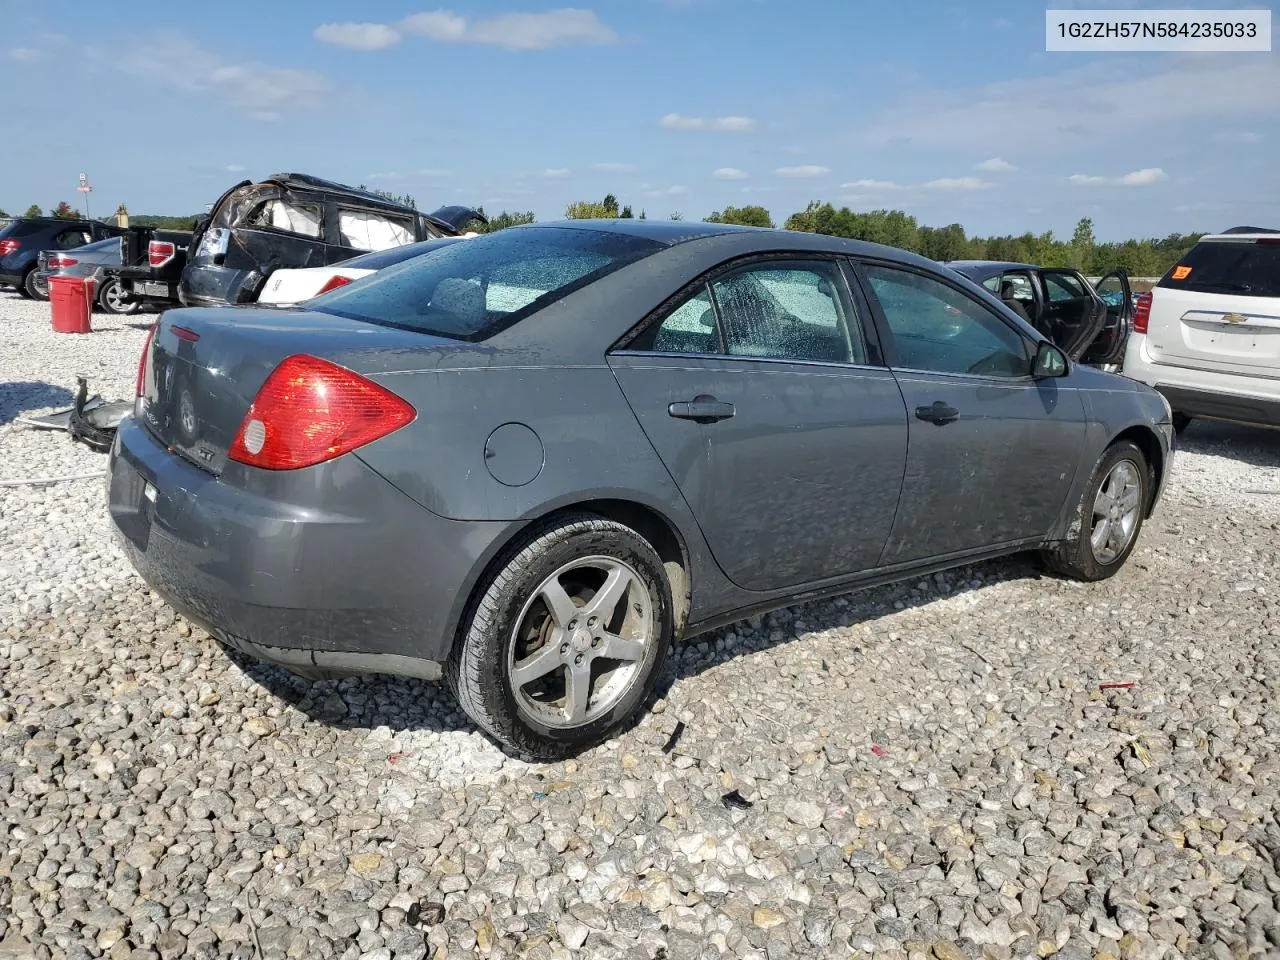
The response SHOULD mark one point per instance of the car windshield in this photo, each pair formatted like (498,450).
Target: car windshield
(387,258)
(1240,267)
(472,290)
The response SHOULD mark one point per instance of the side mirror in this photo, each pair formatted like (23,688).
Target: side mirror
(1049,362)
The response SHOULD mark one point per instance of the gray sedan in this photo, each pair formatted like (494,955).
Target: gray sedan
(88,261)
(535,460)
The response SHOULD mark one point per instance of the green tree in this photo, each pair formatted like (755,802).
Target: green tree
(3,213)
(502,221)
(605,209)
(676,215)
(748,216)
(64,211)
(34,211)
(1082,244)
(404,199)
(626,213)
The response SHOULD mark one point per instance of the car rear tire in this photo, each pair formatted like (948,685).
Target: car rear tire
(566,639)
(32,288)
(1110,516)
(22,284)
(109,300)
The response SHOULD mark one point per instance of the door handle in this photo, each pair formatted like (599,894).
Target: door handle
(938,412)
(701,409)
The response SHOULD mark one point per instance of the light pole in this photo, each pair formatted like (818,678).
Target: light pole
(86,189)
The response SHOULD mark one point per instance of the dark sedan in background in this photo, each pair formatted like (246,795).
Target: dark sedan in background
(538,458)
(23,240)
(1090,321)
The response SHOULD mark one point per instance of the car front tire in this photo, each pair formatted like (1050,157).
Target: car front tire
(109,300)
(1109,518)
(566,640)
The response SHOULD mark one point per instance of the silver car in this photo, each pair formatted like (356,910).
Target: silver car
(85,262)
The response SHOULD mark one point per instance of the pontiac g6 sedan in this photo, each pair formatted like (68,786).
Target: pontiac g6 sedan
(534,460)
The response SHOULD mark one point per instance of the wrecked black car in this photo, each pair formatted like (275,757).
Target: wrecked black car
(296,220)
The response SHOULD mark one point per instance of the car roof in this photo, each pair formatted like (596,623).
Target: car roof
(1268,235)
(741,239)
(988,267)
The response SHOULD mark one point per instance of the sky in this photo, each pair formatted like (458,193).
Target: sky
(953,112)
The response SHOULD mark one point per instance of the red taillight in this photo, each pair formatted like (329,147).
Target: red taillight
(334,283)
(142,361)
(9,246)
(310,410)
(61,260)
(160,252)
(1142,312)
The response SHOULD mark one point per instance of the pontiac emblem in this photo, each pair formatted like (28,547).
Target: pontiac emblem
(1234,318)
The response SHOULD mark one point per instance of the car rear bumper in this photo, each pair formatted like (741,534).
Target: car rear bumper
(1241,398)
(317,591)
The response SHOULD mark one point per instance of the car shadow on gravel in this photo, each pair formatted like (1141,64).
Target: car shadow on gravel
(17,399)
(408,705)
(1256,446)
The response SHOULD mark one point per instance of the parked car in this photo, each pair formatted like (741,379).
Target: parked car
(289,286)
(1208,335)
(1091,322)
(153,271)
(22,241)
(296,220)
(536,459)
(101,261)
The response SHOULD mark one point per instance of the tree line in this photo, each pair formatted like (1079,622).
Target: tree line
(1150,257)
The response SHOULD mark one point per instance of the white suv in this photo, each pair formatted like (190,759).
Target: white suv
(1208,335)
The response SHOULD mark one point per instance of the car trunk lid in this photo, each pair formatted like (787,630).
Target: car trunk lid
(204,368)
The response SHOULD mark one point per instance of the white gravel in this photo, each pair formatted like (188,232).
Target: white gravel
(933,769)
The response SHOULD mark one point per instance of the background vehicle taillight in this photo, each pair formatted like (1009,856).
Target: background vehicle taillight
(160,252)
(142,362)
(1142,312)
(9,246)
(61,260)
(333,284)
(310,410)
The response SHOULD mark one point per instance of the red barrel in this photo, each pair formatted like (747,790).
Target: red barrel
(72,302)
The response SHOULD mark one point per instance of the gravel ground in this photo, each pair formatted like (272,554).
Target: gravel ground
(925,770)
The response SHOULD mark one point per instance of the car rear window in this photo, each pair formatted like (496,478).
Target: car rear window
(472,290)
(21,228)
(1238,267)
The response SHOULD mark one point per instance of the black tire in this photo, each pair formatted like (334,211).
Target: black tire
(24,284)
(31,288)
(1075,557)
(1180,423)
(105,305)
(479,672)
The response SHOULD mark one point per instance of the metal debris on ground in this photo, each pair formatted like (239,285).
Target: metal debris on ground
(736,800)
(91,420)
(674,738)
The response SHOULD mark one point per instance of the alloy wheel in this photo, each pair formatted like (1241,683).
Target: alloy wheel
(1115,512)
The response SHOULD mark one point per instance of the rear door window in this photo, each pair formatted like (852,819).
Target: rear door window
(1237,267)
(371,230)
(70,239)
(21,228)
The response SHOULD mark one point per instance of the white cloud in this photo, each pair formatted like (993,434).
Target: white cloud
(358,36)
(734,124)
(1082,102)
(262,92)
(873,185)
(672,191)
(235,168)
(1143,177)
(1138,178)
(678,121)
(514,31)
(995,165)
(556,173)
(808,171)
(439,25)
(613,168)
(957,183)
(26,54)
(730,173)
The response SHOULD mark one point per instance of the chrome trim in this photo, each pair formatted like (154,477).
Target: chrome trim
(678,355)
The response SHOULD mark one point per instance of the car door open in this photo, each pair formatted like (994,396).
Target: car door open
(788,442)
(1116,293)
